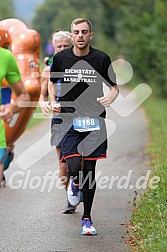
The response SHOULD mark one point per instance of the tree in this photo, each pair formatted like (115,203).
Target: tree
(7,9)
(138,30)
(135,29)
(55,14)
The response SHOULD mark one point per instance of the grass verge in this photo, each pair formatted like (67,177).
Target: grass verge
(149,219)
(34,121)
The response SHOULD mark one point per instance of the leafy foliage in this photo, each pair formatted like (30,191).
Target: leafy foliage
(7,9)
(138,29)
(56,14)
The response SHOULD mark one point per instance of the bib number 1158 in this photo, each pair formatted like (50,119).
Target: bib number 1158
(86,123)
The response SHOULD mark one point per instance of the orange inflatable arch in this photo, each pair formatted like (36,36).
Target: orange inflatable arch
(24,44)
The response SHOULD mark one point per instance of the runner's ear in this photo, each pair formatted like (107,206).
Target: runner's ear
(91,35)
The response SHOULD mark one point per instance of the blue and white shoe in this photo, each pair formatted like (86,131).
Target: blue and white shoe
(73,193)
(87,227)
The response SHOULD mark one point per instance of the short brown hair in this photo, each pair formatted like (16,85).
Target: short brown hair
(81,20)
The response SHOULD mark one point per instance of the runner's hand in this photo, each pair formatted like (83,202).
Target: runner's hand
(104,101)
(56,108)
(6,113)
(45,107)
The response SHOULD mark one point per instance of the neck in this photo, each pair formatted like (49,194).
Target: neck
(81,52)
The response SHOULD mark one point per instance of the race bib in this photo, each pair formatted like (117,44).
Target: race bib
(83,124)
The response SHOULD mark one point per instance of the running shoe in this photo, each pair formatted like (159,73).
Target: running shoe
(73,193)
(87,227)
(69,209)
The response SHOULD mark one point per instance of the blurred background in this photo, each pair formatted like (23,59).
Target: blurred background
(134,29)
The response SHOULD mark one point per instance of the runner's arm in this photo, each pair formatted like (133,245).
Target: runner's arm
(43,99)
(110,98)
(7,111)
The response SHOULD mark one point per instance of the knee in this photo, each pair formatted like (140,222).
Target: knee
(74,167)
(74,172)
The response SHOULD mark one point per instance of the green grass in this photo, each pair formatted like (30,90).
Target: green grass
(150,216)
(33,121)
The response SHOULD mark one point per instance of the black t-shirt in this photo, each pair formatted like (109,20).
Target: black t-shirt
(82,81)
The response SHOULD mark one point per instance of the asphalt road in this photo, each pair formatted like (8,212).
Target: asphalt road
(30,206)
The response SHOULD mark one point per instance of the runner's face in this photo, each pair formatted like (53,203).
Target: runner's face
(81,35)
(61,45)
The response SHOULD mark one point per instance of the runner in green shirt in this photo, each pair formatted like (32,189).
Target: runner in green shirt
(9,70)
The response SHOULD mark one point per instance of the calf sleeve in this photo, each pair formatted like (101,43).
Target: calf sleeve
(74,166)
(89,186)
